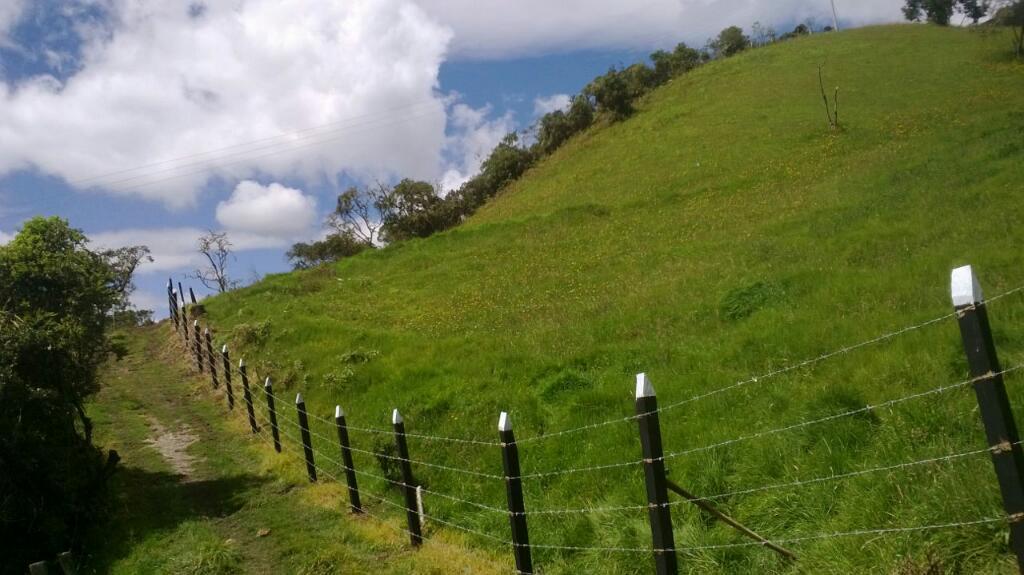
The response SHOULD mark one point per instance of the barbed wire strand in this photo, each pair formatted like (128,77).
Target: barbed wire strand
(738,384)
(415,435)
(789,540)
(331,440)
(774,486)
(775,431)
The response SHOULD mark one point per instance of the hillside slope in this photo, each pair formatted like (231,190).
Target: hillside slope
(722,232)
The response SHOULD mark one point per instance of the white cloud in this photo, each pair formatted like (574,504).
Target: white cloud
(162,82)
(471,141)
(11,12)
(176,248)
(273,210)
(546,105)
(4,238)
(498,28)
(142,299)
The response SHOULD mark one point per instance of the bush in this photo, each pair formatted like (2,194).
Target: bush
(611,92)
(730,41)
(54,316)
(330,249)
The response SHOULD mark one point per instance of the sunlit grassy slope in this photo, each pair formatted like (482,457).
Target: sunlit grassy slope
(721,232)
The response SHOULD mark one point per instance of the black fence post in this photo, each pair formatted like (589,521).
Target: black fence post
(183,313)
(172,303)
(307,442)
(247,395)
(197,348)
(408,482)
(192,295)
(993,403)
(226,363)
(184,325)
(272,413)
(514,491)
(665,560)
(210,362)
(346,459)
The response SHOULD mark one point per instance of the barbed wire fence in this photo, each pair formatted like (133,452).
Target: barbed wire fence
(294,437)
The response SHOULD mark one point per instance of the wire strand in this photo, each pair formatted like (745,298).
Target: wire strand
(767,433)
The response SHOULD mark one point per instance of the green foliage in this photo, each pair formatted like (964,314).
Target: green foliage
(251,334)
(334,247)
(729,42)
(412,209)
(54,313)
(742,302)
(612,95)
(942,11)
(132,317)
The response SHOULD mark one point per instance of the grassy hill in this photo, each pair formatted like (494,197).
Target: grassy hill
(721,232)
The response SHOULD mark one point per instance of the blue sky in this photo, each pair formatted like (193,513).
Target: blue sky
(149,121)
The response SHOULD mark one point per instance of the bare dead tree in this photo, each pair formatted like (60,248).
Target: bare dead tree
(831,113)
(216,248)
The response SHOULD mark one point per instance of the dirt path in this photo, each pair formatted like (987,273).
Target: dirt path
(198,493)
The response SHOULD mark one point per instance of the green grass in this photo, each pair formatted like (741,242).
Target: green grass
(721,232)
(210,522)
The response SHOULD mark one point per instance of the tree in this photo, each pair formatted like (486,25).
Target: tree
(124,261)
(357,213)
(554,130)
(54,314)
(581,114)
(612,94)
(761,35)
(729,42)
(941,11)
(334,247)
(412,209)
(216,248)
(1010,13)
(639,80)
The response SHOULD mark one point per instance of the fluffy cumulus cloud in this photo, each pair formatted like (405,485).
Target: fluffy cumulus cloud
(164,81)
(472,136)
(273,210)
(5,237)
(547,104)
(498,28)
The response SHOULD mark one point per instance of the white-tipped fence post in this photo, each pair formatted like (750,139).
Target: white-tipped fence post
(993,403)
(346,459)
(408,482)
(196,347)
(226,363)
(307,442)
(268,389)
(665,560)
(514,492)
(210,363)
(247,396)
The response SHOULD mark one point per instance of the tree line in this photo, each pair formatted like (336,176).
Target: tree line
(368,217)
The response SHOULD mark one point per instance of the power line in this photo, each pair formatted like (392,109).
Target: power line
(291,136)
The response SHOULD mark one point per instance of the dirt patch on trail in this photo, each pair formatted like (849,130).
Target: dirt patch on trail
(173,447)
